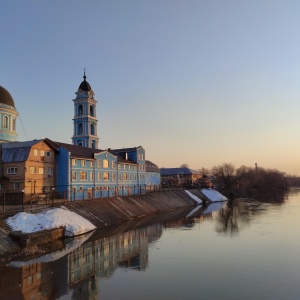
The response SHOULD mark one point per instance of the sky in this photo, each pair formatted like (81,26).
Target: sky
(201,82)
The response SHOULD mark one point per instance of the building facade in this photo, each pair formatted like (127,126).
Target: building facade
(27,167)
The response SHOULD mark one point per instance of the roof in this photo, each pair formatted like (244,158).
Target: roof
(5,97)
(177,171)
(77,151)
(17,151)
(151,167)
(85,152)
(127,149)
(85,86)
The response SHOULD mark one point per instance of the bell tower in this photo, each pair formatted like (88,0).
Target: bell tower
(85,121)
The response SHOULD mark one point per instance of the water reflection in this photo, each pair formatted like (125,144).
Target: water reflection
(76,272)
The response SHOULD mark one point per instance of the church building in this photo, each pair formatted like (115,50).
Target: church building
(8,117)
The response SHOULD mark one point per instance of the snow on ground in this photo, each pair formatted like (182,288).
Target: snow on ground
(213,195)
(50,219)
(199,201)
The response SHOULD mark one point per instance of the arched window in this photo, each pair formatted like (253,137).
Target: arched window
(92,110)
(80,128)
(79,143)
(80,110)
(5,122)
(14,125)
(93,144)
(92,129)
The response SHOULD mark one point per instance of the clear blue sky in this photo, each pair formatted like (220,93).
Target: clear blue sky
(199,82)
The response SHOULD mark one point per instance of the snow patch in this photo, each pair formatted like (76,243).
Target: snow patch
(50,219)
(213,195)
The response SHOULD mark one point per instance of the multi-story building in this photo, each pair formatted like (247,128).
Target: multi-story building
(87,173)
(28,167)
(152,176)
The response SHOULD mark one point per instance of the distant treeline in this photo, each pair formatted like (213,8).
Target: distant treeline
(293,181)
(248,182)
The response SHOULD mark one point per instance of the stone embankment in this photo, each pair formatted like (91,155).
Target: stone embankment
(104,212)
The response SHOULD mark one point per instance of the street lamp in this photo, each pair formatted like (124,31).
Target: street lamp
(53,196)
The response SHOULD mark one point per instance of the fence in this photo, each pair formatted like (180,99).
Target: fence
(11,203)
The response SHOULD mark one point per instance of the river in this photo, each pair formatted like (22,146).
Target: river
(245,250)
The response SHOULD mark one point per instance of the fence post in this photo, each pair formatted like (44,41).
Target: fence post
(3,202)
(23,200)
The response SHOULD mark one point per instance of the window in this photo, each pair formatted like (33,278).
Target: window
(2,186)
(119,166)
(91,110)
(113,177)
(14,125)
(42,153)
(50,171)
(5,122)
(92,129)
(124,167)
(99,176)
(113,164)
(105,176)
(83,175)
(83,163)
(35,152)
(129,167)
(134,177)
(47,153)
(134,168)
(91,176)
(74,162)
(124,177)
(16,185)
(12,170)
(80,128)
(91,163)
(130,177)
(80,110)
(105,163)
(119,177)
(99,163)
(41,171)
(74,175)
(32,170)
(143,167)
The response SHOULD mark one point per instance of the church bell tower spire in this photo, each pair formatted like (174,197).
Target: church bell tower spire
(85,121)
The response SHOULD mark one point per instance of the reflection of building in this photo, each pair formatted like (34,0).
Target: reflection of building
(102,257)
(29,282)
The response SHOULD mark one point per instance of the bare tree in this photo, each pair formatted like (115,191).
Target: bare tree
(185,165)
(225,177)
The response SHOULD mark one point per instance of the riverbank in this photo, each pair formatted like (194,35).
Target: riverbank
(100,213)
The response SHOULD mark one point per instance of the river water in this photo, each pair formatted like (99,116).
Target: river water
(244,250)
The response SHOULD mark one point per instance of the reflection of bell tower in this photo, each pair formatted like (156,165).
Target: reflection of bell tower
(85,122)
